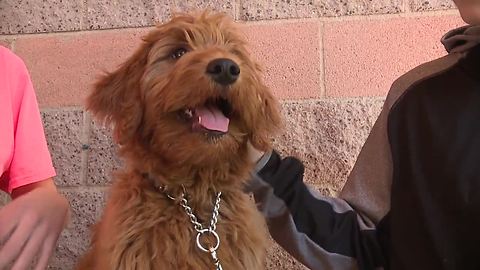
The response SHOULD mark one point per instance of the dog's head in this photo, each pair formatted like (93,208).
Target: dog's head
(189,95)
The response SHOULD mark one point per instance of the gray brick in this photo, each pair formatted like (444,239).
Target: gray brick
(29,16)
(87,207)
(102,157)
(327,136)
(281,9)
(110,14)
(63,129)
(163,10)
(424,5)
(278,258)
(227,6)
(102,14)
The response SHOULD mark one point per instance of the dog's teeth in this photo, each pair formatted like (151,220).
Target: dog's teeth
(188,113)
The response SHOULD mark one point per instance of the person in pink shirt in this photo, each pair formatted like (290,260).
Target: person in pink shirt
(32,222)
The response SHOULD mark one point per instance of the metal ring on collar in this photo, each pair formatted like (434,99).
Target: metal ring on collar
(202,248)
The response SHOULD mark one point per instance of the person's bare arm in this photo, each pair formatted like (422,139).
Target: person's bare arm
(31,224)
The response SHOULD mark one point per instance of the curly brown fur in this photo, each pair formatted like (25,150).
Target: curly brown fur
(144,100)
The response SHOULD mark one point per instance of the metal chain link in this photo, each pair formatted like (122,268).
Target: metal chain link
(188,210)
(198,226)
(216,208)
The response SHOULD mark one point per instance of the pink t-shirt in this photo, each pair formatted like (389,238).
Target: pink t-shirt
(24,156)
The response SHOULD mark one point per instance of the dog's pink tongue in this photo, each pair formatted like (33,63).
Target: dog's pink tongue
(212,118)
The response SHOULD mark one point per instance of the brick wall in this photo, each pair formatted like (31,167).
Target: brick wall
(330,62)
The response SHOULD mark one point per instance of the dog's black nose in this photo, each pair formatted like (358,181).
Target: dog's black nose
(224,71)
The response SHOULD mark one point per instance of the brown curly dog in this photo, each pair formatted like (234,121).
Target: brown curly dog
(183,109)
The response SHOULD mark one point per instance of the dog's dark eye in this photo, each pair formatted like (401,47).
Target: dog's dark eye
(178,53)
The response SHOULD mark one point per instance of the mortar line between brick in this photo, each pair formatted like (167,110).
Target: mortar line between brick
(238,13)
(12,45)
(406,7)
(84,188)
(365,17)
(85,139)
(84,14)
(105,186)
(323,84)
(60,107)
(327,98)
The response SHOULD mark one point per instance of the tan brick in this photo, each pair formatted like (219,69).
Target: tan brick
(363,58)
(290,55)
(280,9)
(28,16)
(423,5)
(63,67)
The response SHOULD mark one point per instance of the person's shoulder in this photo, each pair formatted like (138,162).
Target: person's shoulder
(425,71)
(13,73)
(9,60)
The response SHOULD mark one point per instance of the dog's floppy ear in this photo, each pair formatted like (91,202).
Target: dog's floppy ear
(116,98)
(268,120)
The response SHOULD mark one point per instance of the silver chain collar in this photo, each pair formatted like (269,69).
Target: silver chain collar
(201,230)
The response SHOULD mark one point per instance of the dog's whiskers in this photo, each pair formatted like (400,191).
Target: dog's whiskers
(212,138)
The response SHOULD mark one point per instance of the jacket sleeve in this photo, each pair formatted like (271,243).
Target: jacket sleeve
(320,232)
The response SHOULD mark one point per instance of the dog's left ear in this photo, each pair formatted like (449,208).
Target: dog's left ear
(116,98)
(267,121)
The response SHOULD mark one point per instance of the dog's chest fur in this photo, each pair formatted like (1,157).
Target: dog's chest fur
(142,229)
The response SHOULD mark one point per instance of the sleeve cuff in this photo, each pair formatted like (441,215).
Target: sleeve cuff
(263,161)
(23,181)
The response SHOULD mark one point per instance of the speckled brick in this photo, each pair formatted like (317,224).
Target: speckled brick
(281,9)
(163,12)
(87,207)
(63,129)
(327,136)
(102,156)
(423,5)
(278,258)
(30,16)
(102,14)
(227,6)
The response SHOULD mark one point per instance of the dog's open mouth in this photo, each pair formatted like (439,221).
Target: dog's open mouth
(211,118)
